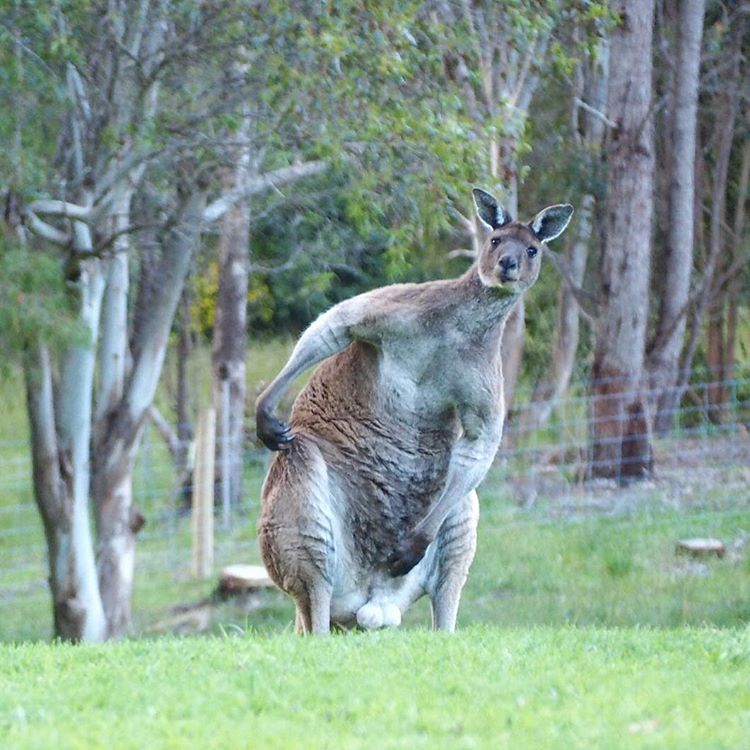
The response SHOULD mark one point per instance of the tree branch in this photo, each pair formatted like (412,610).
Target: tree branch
(587,301)
(595,112)
(44,230)
(61,208)
(165,430)
(261,183)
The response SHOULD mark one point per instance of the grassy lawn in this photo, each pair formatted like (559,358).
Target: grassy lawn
(530,570)
(482,688)
(580,627)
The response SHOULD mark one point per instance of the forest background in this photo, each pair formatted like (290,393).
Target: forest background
(180,175)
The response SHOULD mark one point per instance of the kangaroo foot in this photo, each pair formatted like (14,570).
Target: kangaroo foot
(372,616)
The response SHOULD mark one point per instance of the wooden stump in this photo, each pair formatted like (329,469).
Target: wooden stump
(700,547)
(238,579)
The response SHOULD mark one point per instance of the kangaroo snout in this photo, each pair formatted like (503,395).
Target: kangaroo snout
(508,268)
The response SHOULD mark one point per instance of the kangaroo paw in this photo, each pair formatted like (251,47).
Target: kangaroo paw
(273,433)
(408,553)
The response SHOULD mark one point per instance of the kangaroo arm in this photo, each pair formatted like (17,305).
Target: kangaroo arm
(329,334)
(464,475)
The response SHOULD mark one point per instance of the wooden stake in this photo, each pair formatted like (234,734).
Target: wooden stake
(203,495)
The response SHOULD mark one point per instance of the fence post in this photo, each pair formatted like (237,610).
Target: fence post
(226,472)
(203,495)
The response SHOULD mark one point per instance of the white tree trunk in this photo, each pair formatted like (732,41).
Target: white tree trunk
(75,404)
(229,349)
(113,348)
(77,609)
(60,454)
(118,521)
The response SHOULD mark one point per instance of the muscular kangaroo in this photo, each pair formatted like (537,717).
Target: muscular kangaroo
(370,502)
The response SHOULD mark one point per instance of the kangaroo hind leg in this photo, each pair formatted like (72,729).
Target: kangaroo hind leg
(456,544)
(297,536)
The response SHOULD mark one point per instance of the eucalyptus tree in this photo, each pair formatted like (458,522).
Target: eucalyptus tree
(712,319)
(588,123)
(135,91)
(666,346)
(620,428)
(494,54)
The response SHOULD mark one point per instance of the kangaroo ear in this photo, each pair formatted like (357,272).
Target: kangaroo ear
(489,210)
(550,222)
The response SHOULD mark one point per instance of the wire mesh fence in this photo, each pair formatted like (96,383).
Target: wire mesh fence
(701,466)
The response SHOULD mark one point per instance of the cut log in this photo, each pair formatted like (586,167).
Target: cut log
(236,579)
(701,547)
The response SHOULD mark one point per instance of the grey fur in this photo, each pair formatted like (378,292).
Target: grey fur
(552,221)
(371,501)
(489,209)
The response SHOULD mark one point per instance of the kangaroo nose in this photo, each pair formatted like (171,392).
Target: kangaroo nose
(508,263)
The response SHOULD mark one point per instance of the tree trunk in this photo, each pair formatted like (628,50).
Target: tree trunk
(230,343)
(183,403)
(117,520)
(77,608)
(715,360)
(552,386)
(61,436)
(664,357)
(620,434)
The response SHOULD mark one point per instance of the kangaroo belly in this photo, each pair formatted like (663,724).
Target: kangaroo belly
(388,458)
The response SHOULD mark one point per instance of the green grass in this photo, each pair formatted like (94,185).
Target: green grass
(530,570)
(578,629)
(482,688)
(534,569)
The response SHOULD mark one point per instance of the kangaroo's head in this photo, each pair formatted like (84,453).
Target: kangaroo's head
(512,252)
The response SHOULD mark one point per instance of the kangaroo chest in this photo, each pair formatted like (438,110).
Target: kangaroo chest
(392,415)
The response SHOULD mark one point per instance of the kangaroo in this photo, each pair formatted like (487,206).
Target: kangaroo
(370,502)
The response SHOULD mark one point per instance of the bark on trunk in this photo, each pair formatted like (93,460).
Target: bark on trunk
(664,357)
(621,444)
(230,345)
(117,520)
(77,609)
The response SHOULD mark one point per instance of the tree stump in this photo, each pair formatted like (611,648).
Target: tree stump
(239,579)
(700,547)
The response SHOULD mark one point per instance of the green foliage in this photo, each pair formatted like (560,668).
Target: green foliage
(35,303)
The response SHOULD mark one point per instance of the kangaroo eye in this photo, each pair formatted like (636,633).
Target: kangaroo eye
(495,241)
(531,251)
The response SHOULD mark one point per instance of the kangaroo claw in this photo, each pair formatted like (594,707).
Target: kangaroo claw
(407,555)
(273,433)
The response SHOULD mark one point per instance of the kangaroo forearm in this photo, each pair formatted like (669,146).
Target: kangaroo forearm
(322,340)
(464,475)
